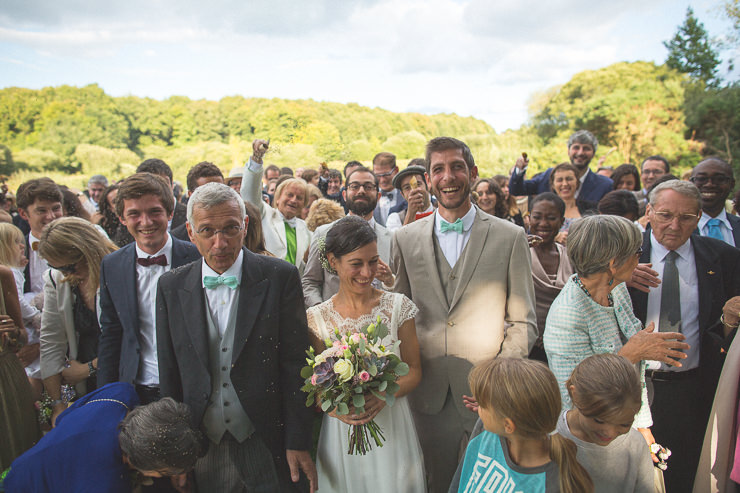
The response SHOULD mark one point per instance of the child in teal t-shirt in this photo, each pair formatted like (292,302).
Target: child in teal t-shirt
(519,405)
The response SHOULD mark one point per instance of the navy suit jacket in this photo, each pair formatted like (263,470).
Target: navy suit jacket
(593,188)
(270,340)
(401,204)
(119,347)
(718,275)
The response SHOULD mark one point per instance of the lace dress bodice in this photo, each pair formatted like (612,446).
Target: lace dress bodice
(394,309)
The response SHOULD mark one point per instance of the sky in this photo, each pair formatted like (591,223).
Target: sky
(480,58)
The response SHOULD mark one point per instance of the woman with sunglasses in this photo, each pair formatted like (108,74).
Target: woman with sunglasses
(73,249)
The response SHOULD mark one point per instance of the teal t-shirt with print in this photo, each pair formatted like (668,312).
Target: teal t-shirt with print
(489,468)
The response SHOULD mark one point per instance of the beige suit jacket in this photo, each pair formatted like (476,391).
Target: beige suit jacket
(491,314)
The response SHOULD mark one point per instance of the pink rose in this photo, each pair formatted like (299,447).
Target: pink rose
(313,379)
(364,376)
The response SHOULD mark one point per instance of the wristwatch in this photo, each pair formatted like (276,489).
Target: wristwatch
(92,369)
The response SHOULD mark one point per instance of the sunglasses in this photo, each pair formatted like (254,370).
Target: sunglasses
(66,269)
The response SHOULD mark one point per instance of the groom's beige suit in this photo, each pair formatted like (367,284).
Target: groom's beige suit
(482,307)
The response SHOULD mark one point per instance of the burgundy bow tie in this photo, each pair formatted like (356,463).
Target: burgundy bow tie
(158,260)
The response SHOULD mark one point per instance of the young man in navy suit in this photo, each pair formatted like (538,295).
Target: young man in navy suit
(582,147)
(127,350)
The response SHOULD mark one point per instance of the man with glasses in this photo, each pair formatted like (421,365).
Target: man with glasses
(390,199)
(361,196)
(682,284)
(714,179)
(231,332)
(127,351)
(652,168)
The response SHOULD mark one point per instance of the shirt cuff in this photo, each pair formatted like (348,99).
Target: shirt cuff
(254,167)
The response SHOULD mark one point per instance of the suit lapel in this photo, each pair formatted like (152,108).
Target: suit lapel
(708,268)
(180,255)
(193,305)
(735,223)
(425,251)
(471,254)
(252,291)
(129,287)
(639,299)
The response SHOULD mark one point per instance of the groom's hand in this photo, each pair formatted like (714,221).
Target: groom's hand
(300,460)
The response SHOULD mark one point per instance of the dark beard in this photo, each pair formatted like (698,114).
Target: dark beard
(361,208)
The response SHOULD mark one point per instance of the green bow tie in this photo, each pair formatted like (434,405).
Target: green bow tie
(211,282)
(457,226)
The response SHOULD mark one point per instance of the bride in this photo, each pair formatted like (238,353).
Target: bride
(351,250)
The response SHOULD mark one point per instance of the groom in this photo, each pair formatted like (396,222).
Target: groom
(470,276)
(231,336)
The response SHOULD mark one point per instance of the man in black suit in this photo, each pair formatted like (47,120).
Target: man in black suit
(159,167)
(200,174)
(683,283)
(231,336)
(127,350)
(714,179)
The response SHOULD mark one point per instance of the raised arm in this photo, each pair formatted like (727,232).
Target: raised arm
(251,190)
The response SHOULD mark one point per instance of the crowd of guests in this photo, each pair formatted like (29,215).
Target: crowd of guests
(555,326)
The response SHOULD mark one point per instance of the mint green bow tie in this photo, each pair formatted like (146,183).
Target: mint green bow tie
(457,226)
(211,282)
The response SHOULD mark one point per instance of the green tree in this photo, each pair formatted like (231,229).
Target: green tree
(690,51)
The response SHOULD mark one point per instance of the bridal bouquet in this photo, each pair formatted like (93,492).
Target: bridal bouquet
(352,366)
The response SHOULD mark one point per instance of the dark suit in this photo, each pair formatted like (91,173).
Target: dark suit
(269,343)
(119,346)
(681,407)
(180,215)
(180,232)
(401,204)
(593,188)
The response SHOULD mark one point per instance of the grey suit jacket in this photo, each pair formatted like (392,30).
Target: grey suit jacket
(320,285)
(491,314)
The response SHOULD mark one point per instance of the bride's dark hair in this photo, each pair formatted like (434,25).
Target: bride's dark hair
(348,234)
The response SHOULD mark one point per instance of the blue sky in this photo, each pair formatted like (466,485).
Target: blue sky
(470,57)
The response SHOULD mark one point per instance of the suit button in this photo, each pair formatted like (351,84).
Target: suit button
(224,349)
(227,421)
(452,277)
(224,368)
(226,404)
(226,384)
(450,324)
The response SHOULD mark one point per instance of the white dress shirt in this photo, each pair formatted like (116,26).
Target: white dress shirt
(222,299)
(582,179)
(452,243)
(689,292)
(38,267)
(724,226)
(386,202)
(146,294)
(394,219)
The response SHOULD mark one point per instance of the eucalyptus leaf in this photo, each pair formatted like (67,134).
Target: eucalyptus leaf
(358,400)
(342,409)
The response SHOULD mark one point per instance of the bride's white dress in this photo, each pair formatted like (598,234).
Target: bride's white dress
(398,465)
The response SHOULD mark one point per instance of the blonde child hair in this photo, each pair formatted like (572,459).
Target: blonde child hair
(9,237)
(603,384)
(527,393)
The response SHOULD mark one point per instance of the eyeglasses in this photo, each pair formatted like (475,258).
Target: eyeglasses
(66,269)
(716,179)
(387,173)
(228,232)
(653,172)
(668,217)
(638,253)
(370,187)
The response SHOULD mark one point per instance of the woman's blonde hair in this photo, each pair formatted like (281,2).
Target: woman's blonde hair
(603,384)
(527,393)
(69,240)
(9,236)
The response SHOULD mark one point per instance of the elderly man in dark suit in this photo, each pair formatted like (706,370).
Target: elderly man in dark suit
(685,283)
(127,351)
(231,336)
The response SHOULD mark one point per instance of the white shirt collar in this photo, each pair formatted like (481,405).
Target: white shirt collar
(291,222)
(659,251)
(583,178)
(467,220)
(722,216)
(235,269)
(166,250)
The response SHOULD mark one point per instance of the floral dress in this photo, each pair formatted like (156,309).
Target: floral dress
(396,466)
